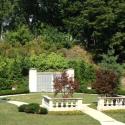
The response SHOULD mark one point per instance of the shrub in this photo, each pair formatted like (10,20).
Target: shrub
(43,110)
(12,92)
(66,86)
(47,62)
(32,108)
(22,35)
(89,91)
(106,82)
(84,73)
(22,108)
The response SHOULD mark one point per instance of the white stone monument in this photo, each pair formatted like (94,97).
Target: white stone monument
(43,81)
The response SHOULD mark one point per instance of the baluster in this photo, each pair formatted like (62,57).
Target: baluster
(74,103)
(111,102)
(71,103)
(117,102)
(114,102)
(107,102)
(62,104)
(56,104)
(67,104)
(120,102)
(123,102)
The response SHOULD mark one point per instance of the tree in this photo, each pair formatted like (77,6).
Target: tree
(97,24)
(22,35)
(109,62)
(5,11)
(65,85)
(106,82)
(49,62)
(9,13)
(85,73)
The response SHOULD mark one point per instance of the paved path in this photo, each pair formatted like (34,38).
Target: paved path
(101,117)
(15,95)
(17,103)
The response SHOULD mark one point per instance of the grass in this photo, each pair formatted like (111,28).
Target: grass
(93,105)
(37,97)
(116,114)
(10,116)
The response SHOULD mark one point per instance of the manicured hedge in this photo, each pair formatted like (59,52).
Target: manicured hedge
(43,110)
(22,108)
(32,108)
(12,92)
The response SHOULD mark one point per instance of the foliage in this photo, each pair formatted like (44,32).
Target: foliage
(21,35)
(22,108)
(13,92)
(43,110)
(54,37)
(109,62)
(65,85)
(11,73)
(87,91)
(32,108)
(6,12)
(98,25)
(84,73)
(106,82)
(77,53)
(52,61)
(32,30)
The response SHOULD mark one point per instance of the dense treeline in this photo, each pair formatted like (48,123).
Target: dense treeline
(98,25)
(52,35)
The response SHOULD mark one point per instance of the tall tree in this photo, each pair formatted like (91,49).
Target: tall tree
(8,14)
(5,11)
(109,62)
(97,24)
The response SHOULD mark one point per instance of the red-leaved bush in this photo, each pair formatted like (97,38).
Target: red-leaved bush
(65,85)
(106,82)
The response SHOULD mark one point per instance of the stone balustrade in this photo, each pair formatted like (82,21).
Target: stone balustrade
(111,103)
(62,104)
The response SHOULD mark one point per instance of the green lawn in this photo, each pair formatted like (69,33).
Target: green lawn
(116,114)
(9,115)
(37,97)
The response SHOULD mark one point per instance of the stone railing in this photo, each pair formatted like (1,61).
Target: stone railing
(111,103)
(62,104)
